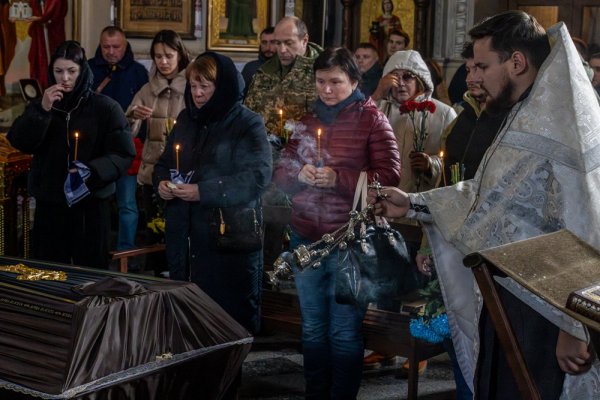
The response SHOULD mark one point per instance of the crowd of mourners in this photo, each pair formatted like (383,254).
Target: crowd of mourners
(197,143)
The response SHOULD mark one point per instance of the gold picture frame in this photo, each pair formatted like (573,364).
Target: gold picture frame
(144,18)
(239,30)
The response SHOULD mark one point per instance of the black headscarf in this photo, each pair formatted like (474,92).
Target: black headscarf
(72,51)
(229,89)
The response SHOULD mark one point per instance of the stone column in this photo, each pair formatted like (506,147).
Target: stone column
(347,23)
(421,26)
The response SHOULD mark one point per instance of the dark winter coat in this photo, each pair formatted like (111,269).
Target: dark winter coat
(126,79)
(469,136)
(360,139)
(105,144)
(225,145)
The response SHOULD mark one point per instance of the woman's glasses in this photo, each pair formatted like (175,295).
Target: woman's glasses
(406,76)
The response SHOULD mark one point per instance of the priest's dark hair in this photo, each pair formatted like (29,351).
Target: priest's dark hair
(338,57)
(514,30)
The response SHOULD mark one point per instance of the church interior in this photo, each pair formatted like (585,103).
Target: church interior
(197,337)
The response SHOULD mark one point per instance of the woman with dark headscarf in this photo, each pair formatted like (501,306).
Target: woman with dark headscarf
(220,149)
(81,145)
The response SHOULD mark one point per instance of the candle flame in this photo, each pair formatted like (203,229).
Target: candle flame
(177,147)
(76,135)
(442,154)
(281,111)
(319,132)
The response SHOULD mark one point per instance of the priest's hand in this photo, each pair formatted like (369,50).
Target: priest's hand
(572,354)
(393,202)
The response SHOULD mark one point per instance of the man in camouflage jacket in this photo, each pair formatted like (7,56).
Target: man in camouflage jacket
(285,82)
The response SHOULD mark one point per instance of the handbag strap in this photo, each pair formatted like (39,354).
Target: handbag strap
(360,194)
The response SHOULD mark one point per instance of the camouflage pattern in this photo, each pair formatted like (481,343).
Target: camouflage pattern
(294,93)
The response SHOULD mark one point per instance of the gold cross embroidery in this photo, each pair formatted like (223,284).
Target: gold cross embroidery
(25,273)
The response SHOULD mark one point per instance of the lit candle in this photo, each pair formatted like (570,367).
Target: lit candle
(281,122)
(177,157)
(443,169)
(319,145)
(76,145)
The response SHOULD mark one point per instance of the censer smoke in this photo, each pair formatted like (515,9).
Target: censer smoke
(310,256)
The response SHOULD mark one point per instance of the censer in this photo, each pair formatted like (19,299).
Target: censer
(310,256)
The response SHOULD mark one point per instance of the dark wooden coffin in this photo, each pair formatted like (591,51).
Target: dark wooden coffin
(110,335)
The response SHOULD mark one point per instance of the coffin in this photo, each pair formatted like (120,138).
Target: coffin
(101,334)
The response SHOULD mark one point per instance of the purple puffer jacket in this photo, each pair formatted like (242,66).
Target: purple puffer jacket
(360,139)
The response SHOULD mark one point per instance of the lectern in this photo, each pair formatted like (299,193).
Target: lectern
(550,266)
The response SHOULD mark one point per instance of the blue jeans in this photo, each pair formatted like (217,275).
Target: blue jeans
(128,211)
(462,389)
(331,333)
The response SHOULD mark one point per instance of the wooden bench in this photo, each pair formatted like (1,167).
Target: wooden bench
(384,332)
(124,255)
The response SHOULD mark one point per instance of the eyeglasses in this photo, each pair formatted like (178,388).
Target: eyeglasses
(406,77)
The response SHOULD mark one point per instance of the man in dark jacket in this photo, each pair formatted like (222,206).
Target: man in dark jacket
(370,68)
(472,132)
(118,76)
(116,73)
(266,50)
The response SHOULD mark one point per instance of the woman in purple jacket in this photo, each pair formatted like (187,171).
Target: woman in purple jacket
(319,169)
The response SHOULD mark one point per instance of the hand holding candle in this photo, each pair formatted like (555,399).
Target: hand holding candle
(76,145)
(177,157)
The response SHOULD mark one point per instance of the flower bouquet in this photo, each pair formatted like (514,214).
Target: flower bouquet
(420,132)
(433,326)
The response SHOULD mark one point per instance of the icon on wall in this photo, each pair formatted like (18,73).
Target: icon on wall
(30,89)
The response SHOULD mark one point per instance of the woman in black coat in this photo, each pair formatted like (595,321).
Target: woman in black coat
(73,132)
(225,158)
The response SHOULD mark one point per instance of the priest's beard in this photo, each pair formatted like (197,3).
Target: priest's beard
(503,101)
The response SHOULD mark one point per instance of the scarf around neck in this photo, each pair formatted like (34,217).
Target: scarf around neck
(327,114)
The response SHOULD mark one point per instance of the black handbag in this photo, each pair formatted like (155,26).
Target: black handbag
(373,265)
(237,229)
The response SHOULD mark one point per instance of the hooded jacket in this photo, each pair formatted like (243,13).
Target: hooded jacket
(410,60)
(127,77)
(104,143)
(166,100)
